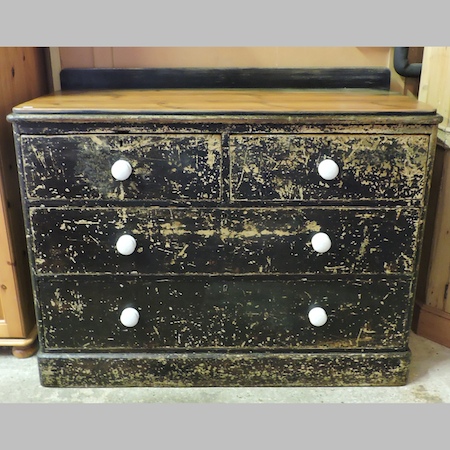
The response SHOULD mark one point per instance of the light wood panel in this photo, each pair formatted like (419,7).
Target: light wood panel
(432,313)
(435,86)
(439,268)
(22,77)
(432,323)
(224,56)
(9,284)
(435,90)
(225,101)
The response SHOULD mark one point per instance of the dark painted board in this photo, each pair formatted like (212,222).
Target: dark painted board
(224,240)
(173,166)
(223,208)
(189,167)
(210,369)
(160,78)
(241,313)
(101,124)
(285,167)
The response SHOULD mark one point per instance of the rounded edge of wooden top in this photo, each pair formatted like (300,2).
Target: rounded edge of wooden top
(224,101)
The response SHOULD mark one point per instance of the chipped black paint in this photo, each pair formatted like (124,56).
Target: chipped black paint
(285,167)
(223,313)
(223,208)
(222,240)
(222,78)
(212,369)
(164,167)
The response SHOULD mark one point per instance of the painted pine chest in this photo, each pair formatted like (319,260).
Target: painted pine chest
(224,237)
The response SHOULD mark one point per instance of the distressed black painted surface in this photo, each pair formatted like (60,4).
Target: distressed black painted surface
(236,198)
(222,240)
(209,369)
(95,124)
(284,167)
(241,313)
(164,167)
(160,78)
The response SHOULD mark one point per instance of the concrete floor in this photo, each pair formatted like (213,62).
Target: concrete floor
(429,382)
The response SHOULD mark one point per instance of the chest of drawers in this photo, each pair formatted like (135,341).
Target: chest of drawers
(224,237)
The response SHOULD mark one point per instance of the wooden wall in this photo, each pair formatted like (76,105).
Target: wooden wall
(22,77)
(432,314)
(132,57)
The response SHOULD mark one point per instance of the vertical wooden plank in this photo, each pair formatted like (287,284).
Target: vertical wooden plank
(9,289)
(435,90)
(22,77)
(54,68)
(439,268)
(432,313)
(435,87)
(2,317)
(432,323)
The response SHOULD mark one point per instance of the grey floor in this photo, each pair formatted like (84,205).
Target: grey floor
(429,382)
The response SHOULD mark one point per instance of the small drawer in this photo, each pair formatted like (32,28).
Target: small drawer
(163,240)
(87,313)
(328,167)
(121,167)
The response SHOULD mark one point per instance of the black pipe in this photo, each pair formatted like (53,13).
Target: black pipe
(402,65)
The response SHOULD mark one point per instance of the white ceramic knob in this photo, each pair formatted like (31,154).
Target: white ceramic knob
(328,169)
(121,170)
(317,316)
(129,317)
(321,242)
(126,244)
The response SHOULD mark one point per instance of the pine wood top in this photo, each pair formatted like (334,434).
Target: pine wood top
(225,101)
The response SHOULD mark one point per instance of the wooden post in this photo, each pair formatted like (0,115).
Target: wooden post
(432,313)
(435,86)
(22,77)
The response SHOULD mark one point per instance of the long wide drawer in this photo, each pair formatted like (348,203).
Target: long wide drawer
(161,167)
(367,167)
(215,240)
(84,313)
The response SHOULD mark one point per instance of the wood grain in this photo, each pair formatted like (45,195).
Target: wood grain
(439,269)
(225,101)
(432,323)
(434,85)
(22,77)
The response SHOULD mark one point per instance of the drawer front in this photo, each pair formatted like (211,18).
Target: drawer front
(285,167)
(163,167)
(233,241)
(245,313)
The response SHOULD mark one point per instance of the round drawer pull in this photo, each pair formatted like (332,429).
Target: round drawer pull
(321,242)
(317,316)
(121,170)
(126,244)
(328,169)
(129,317)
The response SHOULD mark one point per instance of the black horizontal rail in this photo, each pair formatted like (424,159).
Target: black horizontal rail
(157,78)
